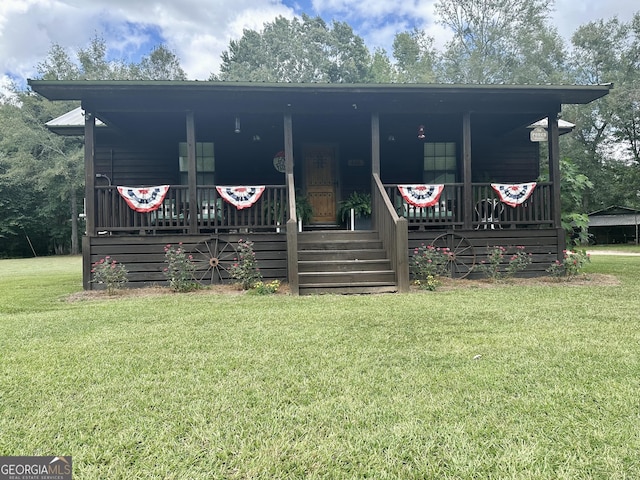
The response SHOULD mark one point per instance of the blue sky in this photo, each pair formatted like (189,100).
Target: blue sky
(199,30)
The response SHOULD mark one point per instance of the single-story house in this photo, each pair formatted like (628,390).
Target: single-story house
(209,163)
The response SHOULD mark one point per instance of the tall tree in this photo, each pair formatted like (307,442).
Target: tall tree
(300,50)
(41,174)
(382,71)
(606,143)
(499,41)
(415,57)
(160,64)
(91,63)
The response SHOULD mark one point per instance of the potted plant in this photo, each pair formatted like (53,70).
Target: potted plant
(360,203)
(276,212)
(304,210)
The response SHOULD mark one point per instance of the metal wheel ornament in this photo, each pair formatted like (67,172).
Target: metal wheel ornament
(213,258)
(462,254)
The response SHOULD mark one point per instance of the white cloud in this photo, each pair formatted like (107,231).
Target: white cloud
(418,9)
(570,14)
(199,30)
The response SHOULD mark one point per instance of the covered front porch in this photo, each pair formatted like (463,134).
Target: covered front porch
(467,218)
(310,147)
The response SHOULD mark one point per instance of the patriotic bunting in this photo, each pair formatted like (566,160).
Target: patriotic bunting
(514,195)
(241,197)
(421,195)
(144,199)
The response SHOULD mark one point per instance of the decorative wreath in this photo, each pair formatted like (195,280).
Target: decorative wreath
(279,162)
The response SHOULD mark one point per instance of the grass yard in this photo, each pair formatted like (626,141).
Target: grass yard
(511,382)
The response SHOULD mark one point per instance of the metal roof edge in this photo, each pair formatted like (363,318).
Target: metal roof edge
(321,85)
(612,207)
(72,88)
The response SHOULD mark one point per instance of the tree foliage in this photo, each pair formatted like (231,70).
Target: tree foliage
(160,64)
(415,57)
(42,174)
(304,49)
(92,63)
(499,41)
(606,143)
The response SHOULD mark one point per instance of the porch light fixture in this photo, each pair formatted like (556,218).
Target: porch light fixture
(237,129)
(102,175)
(421,135)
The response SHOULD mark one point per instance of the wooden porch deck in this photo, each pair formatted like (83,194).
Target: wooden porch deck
(138,239)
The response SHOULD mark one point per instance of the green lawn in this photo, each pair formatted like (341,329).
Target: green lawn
(202,386)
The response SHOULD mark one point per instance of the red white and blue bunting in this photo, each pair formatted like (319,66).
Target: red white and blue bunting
(421,195)
(144,199)
(514,194)
(241,197)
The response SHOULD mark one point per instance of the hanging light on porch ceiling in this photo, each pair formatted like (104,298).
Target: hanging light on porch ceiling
(237,129)
(421,135)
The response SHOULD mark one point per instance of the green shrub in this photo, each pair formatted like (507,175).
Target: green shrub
(519,261)
(571,265)
(429,261)
(492,266)
(430,283)
(180,269)
(245,269)
(109,272)
(268,288)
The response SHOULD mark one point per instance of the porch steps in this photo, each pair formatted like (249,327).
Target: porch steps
(343,262)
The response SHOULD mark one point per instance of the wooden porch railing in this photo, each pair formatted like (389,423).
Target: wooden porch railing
(212,213)
(488,212)
(393,232)
(447,213)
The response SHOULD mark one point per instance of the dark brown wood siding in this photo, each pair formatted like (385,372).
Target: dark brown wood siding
(137,165)
(510,159)
(544,244)
(144,256)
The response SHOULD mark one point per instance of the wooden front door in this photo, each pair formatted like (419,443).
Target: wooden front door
(321,181)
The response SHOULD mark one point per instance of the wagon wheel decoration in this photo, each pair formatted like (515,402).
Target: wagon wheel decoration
(462,254)
(213,258)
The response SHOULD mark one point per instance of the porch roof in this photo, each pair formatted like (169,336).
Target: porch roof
(70,123)
(124,95)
